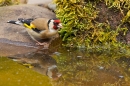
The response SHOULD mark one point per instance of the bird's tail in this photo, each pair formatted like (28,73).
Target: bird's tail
(15,22)
(21,21)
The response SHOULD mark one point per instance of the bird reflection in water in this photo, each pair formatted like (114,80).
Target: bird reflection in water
(40,62)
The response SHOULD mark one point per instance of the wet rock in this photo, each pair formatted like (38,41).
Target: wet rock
(14,35)
(11,49)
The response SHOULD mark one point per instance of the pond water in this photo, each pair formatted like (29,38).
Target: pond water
(80,68)
(66,67)
(14,74)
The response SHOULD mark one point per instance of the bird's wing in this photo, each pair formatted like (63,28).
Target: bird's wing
(40,23)
(36,25)
(26,21)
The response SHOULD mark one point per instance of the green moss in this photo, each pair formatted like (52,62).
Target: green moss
(81,28)
(8,2)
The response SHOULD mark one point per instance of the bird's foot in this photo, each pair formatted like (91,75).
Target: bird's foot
(46,45)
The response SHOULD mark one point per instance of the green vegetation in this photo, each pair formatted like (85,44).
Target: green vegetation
(88,25)
(8,2)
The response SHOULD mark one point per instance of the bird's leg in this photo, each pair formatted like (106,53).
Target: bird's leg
(45,44)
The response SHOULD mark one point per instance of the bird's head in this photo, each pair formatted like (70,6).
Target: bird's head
(55,24)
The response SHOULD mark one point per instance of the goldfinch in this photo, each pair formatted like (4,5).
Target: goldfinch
(40,28)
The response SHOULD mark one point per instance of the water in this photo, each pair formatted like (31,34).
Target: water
(69,67)
(14,74)
(80,68)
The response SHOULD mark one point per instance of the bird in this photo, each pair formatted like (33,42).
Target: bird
(40,28)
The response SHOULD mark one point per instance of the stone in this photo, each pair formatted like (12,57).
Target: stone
(16,35)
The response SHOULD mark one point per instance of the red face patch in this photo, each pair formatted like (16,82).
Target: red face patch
(57,21)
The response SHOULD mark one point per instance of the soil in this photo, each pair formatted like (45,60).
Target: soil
(113,16)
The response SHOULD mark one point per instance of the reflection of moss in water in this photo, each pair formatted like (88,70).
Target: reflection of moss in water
(80,68)
(13,74)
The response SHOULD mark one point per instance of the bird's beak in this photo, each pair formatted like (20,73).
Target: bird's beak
(60,25)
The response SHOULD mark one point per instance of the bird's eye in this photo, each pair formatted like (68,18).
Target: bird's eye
(55,23)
